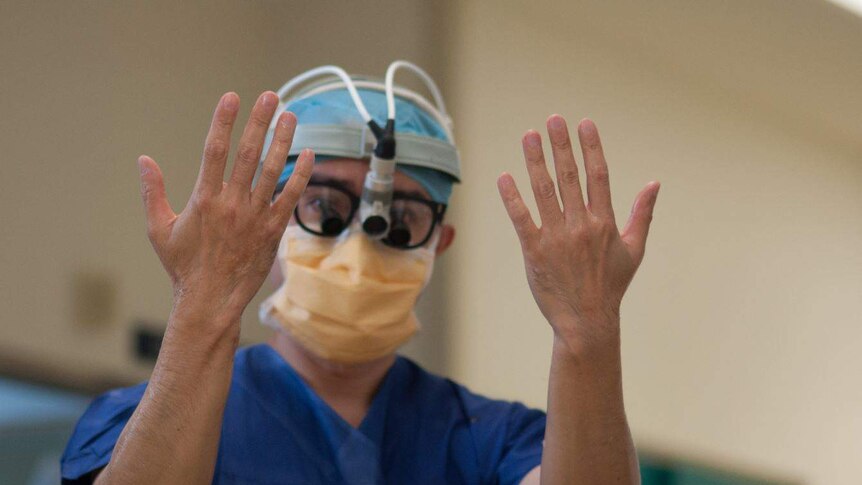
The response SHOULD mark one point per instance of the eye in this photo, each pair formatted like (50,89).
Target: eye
(314,203)
(403,213)
(408,214)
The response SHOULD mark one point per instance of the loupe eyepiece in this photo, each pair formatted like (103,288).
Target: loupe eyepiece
(374,225)
(332,226)
(399,235)
(331,223)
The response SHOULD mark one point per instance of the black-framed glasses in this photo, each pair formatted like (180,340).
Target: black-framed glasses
(326,208)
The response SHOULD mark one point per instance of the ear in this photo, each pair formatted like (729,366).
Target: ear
(447,235)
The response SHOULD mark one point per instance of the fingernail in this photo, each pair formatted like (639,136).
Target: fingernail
(557,122)
(229,101)
(142,167)
(266,100)
(533,139)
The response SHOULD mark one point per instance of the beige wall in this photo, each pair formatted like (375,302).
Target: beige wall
(88,86)
(742,328)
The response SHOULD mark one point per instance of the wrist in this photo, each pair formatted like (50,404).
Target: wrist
(589,339)
(192,320)
(204,304)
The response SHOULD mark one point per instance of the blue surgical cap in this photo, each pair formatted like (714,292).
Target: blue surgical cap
(436,174)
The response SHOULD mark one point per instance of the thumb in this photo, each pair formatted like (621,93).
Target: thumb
(634,235)
(158,211)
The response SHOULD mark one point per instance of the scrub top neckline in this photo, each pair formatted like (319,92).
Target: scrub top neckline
(372,425)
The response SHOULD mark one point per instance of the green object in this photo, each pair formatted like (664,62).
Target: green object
(669,471)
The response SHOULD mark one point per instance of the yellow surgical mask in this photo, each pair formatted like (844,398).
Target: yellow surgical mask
(348,299)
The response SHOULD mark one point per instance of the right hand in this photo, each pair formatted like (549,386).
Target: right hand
(219,249)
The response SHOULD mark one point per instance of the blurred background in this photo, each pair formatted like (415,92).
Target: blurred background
(741,330)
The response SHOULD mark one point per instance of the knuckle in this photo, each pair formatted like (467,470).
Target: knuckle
(535,157)
(281,142)
(269,174)
(248,153)
(546,190)
(285,198)
(229,216)
(521,218)
(260,119)
(146,192)
(561,143)
(215,150)
(203,203)
(290,193)
(224,123)
(599,173)
(511,200)
(224,120)
(608,230)
(570,177)
(581,235)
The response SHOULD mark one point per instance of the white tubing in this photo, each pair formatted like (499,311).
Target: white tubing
(316,72)
(388,88)
(429,83)
(417,99)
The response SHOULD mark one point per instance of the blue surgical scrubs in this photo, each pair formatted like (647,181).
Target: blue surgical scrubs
(420,429)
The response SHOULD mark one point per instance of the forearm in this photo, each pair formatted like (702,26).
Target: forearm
(173,435)
(587,439)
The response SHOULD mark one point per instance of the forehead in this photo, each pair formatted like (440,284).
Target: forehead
(351,172)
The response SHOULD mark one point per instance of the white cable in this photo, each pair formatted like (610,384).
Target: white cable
(417,99)
(429,83)
(388,88)
(312,73)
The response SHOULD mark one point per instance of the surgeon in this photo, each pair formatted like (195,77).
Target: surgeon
(327,400)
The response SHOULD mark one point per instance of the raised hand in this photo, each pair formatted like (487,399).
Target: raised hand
(219,249)
(578,264)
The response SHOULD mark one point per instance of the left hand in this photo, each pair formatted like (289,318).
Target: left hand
(578,263)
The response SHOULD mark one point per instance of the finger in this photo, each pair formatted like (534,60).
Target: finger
(286,200)
(156,206)
(275,159)
(251,144)
(598,182)
(540,180)
(634,235)
(566,166)
(217,146)
(516,208)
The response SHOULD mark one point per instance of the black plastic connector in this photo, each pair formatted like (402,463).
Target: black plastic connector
(374,225)
(385,148)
